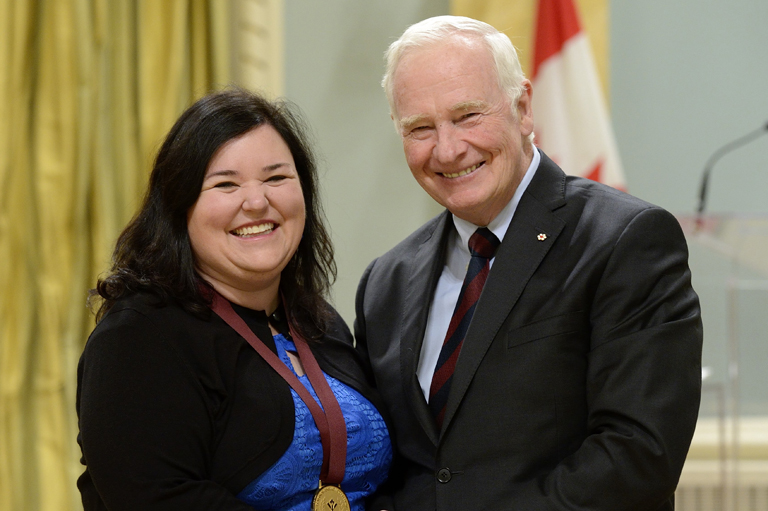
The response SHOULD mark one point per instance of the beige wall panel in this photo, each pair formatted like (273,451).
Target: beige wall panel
(259,52)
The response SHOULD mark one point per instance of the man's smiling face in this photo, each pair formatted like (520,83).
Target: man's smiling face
(464,143)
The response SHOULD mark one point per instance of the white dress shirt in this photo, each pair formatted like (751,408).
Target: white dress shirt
(449,286)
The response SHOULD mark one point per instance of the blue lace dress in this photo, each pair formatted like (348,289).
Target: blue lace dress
(291,482)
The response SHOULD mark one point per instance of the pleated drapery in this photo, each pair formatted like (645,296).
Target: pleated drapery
(88,88)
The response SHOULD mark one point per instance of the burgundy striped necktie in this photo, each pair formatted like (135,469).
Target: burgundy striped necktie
(482,246)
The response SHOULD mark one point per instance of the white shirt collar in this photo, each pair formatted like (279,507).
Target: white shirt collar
(499,225)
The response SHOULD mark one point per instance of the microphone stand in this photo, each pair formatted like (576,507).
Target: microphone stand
(727,148)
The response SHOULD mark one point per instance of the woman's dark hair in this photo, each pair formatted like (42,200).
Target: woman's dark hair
(154,254)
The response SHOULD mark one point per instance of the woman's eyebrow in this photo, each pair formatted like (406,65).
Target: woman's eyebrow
(223,172)
(275,166)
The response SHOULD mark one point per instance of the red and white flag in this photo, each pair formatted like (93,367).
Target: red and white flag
(571,119)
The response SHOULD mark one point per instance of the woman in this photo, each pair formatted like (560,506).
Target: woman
(177,409)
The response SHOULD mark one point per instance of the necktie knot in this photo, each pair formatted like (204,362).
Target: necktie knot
(483,243)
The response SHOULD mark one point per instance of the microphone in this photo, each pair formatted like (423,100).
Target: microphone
(727,148)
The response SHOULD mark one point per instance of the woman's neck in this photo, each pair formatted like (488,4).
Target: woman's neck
(261,299)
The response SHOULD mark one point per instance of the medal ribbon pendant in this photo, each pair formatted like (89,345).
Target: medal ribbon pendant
(330,497)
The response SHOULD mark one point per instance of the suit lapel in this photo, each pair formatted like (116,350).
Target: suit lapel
(425,269)
(518,257)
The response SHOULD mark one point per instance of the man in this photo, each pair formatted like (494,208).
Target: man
(573,381)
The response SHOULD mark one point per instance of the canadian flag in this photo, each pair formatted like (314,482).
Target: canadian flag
(571,119)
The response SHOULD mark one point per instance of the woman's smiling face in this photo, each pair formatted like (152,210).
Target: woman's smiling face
(249,218)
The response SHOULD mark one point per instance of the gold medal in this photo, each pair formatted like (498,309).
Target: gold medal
(330,498)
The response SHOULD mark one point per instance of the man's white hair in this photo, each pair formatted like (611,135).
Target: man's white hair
(439,28)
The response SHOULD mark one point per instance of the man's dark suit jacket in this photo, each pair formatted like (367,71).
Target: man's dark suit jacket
(578,384)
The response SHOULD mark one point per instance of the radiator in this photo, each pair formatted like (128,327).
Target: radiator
(701,486)
(726,472)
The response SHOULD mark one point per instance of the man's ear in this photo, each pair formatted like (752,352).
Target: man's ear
(524,108)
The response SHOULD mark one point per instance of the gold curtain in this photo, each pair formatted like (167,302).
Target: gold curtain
(516,18)
(87,90)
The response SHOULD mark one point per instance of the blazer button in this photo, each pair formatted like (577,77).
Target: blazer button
(443,475)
